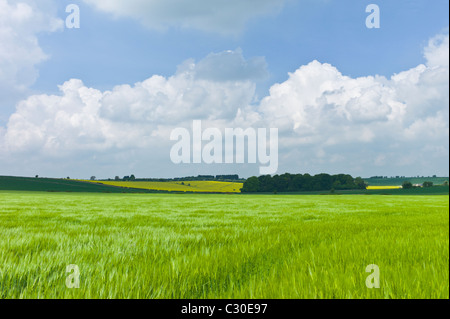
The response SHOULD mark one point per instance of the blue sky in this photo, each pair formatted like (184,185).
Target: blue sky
(107,51)
(117,45)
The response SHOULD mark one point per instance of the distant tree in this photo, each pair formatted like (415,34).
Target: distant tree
(360,183)
(205,177)
(132,178)
(223,177)
(322,182)
(281,183)
(266,184)
(68,177)
(37,176)
(445,183)
(117,178)
(126,178)
(93,178)
(251,185)
(307,182)
(428,184)
(407,185)
(336,185)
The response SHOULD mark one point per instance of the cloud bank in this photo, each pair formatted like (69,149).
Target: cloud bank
(328,122)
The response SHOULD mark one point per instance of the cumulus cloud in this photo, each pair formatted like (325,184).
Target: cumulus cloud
(224,16)
(319,106)
(214,88)
(83,119)
(328,122)
(437,51)
(20,23)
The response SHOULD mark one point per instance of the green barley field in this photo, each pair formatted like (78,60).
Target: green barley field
(223,246)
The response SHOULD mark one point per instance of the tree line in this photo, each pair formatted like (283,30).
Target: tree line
(302,183)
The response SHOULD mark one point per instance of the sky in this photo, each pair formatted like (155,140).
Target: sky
(102,99)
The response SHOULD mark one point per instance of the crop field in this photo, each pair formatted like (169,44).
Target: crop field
(399,181)
(383,187)
(9,183)
(188,186)
(217,246)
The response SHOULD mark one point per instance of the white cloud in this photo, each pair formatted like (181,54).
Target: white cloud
(328,122)
(223,16)
(204,90)
(86,119)
(20,23)
(318,95)
(437,53)
(318,105)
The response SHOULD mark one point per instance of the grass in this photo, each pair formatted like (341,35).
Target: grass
(187,186)
(216,246)
(418,191)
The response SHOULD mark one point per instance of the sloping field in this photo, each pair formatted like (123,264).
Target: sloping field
(194,186)
(11,183)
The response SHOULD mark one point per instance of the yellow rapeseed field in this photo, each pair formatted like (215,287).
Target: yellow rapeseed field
(189,186)
(383,187)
